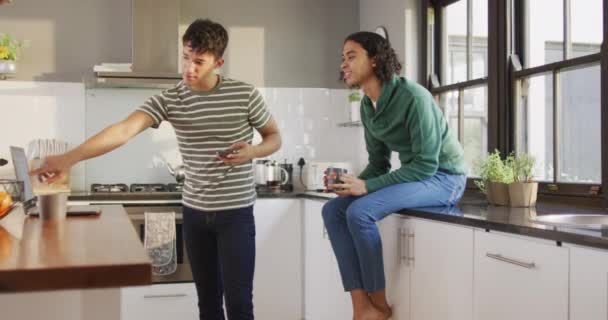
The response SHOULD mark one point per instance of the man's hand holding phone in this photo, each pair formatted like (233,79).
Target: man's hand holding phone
(237,153)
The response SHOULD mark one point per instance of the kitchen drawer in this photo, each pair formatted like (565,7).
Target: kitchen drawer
(588,283)
(161,301)
(519,278)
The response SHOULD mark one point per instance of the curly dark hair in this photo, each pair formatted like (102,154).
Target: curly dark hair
(387,63)
(204,35)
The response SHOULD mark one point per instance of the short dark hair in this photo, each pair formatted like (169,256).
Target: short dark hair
(204,35)
(387,63)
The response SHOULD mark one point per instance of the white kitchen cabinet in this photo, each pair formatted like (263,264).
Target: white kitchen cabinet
(325,298)
(159,302)
(90,304)
(588,284)
(441,270)
(278,281)
(519,278)
(393,231)
(100,304)
(277,288)
(52,305)
(428,267)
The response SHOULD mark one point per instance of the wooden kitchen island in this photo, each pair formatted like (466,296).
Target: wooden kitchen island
(77,253)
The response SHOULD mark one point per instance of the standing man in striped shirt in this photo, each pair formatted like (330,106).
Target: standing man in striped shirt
(210,114)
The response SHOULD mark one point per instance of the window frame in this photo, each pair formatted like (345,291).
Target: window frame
(518,73)
(507,22)
(433,53)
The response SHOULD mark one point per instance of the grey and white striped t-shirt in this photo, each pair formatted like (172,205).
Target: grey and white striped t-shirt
(205,123)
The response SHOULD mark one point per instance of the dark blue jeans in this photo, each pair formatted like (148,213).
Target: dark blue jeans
(221,249)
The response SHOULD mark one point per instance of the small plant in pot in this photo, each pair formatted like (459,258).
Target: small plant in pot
(523,190)
(495,177)
(9,51)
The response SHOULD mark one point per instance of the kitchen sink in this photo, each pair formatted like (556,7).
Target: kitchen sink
(583,221)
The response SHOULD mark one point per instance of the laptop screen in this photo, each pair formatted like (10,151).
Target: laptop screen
(21,171)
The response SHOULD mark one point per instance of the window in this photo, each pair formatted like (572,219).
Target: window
(558,92)
(525,76)
(460,72)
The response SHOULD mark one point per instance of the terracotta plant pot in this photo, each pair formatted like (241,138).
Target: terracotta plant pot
(523,194)
(498,193)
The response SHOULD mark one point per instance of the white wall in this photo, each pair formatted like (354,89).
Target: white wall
(32,110)
(281,43)
(307,117)
(400,17)
(308,120)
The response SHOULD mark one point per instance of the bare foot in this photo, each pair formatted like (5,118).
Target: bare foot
(372,313)
(386,310)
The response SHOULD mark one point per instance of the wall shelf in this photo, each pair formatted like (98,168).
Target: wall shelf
(350,124)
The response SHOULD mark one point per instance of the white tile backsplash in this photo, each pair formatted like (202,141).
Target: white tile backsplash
(32,110)
(308,119)
(141,159)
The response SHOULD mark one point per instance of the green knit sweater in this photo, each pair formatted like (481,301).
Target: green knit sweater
(407,121)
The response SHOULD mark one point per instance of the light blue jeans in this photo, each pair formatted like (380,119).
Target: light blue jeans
(354,236)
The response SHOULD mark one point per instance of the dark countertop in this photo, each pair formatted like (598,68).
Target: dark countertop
(520,221)
(119,197)
(472,211)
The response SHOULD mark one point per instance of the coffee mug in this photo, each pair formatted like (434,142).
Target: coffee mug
(333,177)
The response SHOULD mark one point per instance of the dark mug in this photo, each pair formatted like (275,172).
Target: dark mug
(333,177)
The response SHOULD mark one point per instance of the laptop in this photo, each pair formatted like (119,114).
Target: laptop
(29,199)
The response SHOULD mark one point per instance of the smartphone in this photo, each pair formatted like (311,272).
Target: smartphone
(73,211)
(225,153)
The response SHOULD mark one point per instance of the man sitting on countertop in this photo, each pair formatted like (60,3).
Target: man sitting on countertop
(213,118)
(398,115)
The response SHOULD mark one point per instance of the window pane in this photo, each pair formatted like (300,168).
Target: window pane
(480,38)
(580,141)
(455,58)
(535,124)
(475,125)
(448,102)
(431,41)
(586,31)
(546,22)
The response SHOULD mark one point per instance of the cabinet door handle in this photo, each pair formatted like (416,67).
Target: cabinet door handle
(527,265)
(175,295)
(411,236)
(403,245)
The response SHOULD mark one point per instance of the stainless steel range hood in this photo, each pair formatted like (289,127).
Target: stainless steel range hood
(154,50)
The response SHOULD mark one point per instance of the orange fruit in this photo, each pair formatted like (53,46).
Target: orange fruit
(6,201)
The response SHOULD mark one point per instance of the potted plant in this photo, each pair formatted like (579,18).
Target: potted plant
(495,177)
(355,102)
(523,190)
(9,52)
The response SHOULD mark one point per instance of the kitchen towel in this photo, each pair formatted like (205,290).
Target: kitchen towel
(160,242)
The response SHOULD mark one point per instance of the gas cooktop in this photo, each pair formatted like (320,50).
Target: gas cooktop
(135,187)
